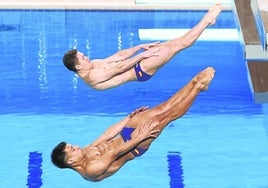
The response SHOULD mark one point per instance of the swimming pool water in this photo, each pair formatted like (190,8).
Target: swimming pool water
(37,40)
(220,142)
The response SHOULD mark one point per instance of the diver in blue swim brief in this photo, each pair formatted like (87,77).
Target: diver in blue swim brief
(141,75)
(117,69)
(119,144)
(126,135)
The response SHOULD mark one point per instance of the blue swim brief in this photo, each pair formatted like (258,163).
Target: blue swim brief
(141,76)
(126,135)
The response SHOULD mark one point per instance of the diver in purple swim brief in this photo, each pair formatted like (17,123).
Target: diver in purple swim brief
(141,75)
(126,135)
(117,69)
(120,144)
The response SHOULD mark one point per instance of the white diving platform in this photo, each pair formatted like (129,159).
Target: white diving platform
(253,24)
(207,35)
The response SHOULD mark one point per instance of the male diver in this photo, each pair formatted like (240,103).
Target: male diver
(124,66)
(131,137)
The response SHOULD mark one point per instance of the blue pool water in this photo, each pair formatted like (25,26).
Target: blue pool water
(221,142)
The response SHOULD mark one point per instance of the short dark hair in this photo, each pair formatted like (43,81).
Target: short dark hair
(58,155)
(70,60)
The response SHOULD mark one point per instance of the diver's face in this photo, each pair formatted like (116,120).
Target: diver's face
(73,154)
(83,61)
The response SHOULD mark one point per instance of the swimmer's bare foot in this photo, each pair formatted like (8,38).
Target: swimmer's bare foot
(204,78)
(212,14)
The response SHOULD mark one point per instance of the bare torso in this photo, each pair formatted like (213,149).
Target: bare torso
(94,155)
(102,74)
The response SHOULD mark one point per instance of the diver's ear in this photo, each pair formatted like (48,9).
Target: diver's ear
(78,67)
(70,161)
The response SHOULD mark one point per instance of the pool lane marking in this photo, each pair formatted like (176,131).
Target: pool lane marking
(175,170)
(34,179)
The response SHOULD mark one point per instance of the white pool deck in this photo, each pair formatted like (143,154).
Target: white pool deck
(111,4)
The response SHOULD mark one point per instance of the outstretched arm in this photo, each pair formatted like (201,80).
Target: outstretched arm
(115,129)
(101,168)
(99,79)
(127,53)
(144,131)
(130,62)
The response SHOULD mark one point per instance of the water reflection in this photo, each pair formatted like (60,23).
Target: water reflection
(42,66)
